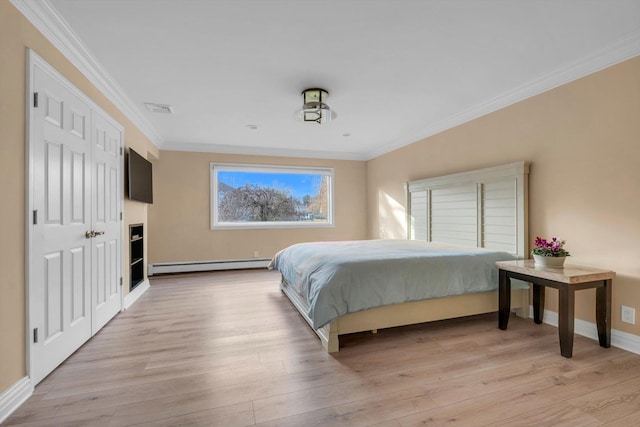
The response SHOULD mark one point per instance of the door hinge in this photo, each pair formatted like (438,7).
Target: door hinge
(35,99)
(121,151)
(120,216)
(121,283)
(35,216)
(35,335)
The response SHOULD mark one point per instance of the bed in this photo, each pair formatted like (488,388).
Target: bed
(458,226)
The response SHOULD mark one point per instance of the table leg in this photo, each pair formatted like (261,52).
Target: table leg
(538,303)
(504,299)
(566,306)
(603,314)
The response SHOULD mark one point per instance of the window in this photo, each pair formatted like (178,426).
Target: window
(256,196)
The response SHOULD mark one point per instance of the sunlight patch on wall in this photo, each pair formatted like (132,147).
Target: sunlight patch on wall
(392,217)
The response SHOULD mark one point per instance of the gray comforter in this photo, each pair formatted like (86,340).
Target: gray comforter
(337,278)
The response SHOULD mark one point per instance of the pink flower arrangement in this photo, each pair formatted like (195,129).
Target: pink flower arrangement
(552,248)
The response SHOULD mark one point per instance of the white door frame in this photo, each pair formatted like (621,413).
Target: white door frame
(34,60)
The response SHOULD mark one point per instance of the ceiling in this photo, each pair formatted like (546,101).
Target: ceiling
(396,70)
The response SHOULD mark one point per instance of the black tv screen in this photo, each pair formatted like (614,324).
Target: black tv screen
(140,178)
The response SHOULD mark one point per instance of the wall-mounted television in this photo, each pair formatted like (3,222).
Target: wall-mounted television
(139,178)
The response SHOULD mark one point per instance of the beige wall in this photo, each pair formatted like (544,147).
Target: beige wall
(179,221)
(17,34)
(583,142)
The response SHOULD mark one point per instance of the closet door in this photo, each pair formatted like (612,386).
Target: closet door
(74,226)
(60,270)
(106,247)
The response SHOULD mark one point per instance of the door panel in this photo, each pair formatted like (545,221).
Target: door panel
(79,263)
(106,219)
(53,181)
(53,294)
(52,108)
(99,267)
(59,304)
(78,213)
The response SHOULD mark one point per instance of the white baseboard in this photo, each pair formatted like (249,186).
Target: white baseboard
(619,339)
(136,293)
(188,267)
(14,396)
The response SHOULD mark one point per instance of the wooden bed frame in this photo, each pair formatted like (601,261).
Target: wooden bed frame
(407,313)
(484,208)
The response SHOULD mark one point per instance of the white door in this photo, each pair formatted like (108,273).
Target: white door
(60,304)
(74,265)
(106,221)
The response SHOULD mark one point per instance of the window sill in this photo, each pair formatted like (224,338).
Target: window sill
(267,226)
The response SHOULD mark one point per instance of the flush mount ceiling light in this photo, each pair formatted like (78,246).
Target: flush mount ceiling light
(314,109)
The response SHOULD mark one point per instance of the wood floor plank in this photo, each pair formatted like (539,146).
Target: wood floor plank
(611,403)
(228,349)
(384,406)
(558,415)
(229,416)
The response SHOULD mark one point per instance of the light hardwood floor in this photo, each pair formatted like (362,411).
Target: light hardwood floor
(228,349)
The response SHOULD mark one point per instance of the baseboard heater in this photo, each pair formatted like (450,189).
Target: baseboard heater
(188,267)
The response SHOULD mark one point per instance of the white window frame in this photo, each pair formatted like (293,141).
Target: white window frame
(216,224)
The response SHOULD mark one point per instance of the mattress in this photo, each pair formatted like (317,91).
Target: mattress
(337,278)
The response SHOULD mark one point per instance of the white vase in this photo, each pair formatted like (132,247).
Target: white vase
(549,261)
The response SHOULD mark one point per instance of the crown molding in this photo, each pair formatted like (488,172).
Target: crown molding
(615,53)
(262,151)
(48,21)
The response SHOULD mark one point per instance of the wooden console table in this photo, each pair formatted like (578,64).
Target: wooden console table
(566,280)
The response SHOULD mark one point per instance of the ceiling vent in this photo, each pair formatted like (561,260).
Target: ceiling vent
(159,108)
